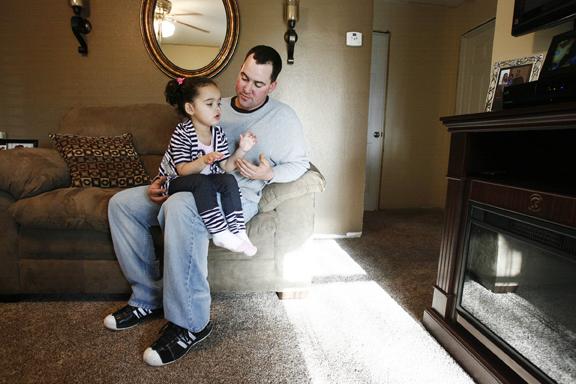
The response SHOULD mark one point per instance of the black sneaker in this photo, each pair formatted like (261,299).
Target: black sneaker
(128,317)
(174,343)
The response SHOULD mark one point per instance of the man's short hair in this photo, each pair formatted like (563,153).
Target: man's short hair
(264,54)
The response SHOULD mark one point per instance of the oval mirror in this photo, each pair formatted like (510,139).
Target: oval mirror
(190,37)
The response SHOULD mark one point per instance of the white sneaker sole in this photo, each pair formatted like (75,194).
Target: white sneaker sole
(152,358)
(110,323)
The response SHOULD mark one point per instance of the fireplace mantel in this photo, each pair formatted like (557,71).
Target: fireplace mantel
(519,160)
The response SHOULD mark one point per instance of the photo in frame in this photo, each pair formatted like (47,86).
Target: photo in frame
(17,143)
(561,56)
(508,72)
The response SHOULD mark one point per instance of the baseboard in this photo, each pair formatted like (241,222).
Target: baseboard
(292,294)
(328,236)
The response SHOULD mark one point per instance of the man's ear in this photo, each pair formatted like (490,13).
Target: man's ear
(189,108)
(272,86)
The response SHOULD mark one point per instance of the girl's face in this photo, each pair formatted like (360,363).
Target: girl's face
(204,110)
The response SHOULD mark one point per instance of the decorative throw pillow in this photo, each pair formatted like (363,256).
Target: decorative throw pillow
(104,161)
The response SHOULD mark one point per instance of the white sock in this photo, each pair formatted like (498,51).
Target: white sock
(244,236)
(228,240)
(249,249)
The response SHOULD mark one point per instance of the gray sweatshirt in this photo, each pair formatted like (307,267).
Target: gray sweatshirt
(279,136)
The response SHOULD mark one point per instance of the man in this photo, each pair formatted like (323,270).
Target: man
(182,293)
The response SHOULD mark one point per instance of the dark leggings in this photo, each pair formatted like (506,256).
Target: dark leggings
(204,188)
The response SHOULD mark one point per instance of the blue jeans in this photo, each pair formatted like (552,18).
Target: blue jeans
(183,289)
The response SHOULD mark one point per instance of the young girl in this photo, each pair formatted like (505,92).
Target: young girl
(197,160)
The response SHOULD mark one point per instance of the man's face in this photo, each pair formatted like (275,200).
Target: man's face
(253,84)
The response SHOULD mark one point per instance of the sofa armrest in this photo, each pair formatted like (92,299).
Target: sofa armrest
(26,172)
(275,194)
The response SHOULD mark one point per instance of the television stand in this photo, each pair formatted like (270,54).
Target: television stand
(511,193)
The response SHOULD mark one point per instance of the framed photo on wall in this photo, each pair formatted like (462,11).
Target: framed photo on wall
(17,143)
(510,72)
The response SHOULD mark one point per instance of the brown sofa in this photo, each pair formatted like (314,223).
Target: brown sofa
(55,238)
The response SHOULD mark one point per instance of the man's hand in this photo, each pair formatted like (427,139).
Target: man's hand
(156,193)
(263,171)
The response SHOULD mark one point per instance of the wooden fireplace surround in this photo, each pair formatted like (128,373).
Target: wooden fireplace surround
(522,160)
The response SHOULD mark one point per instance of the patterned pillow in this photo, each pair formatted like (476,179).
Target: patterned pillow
(104,161)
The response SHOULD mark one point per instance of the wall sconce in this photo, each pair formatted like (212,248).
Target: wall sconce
(290,36)
(80,25)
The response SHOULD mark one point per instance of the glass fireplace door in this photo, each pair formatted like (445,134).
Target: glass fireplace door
(518,289)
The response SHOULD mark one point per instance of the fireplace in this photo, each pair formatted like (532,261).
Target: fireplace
(517,290)
(504,298)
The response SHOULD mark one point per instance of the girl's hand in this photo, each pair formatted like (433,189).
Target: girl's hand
(247,141)
(211,157)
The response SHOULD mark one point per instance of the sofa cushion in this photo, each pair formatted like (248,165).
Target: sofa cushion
(151,164)
(101,161)
(26,172)
(65,208)
(151,125)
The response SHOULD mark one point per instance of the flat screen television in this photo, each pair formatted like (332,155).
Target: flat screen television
(532,15)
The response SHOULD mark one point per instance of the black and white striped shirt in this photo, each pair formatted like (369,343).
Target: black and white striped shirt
(184,147)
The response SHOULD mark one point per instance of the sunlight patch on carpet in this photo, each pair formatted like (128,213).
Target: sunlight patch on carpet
(320,258)
(355,329)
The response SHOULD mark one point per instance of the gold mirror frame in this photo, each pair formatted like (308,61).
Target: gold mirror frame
(172,70)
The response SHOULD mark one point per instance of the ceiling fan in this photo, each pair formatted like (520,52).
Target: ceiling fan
(164,20)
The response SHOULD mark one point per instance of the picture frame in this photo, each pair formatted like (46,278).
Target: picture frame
(17,143)
(561,56)
(509,72)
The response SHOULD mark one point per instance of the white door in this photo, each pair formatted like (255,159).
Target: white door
(376,118)
(474,68)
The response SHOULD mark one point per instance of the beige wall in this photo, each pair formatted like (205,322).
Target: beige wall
(508,47)
(42,76)
(423,65)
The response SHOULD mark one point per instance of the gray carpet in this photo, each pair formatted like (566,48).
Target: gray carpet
(359,324)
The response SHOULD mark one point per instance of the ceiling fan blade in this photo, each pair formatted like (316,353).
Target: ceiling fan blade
(191,26)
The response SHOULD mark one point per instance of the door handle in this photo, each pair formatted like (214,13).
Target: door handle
(376,134)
